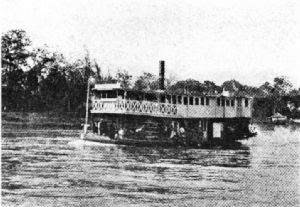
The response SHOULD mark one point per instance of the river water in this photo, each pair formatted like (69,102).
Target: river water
(56,168)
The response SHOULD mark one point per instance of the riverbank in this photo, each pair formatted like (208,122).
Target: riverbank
(37,120)
(34,120)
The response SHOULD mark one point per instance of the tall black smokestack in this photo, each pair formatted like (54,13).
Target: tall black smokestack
(162,75)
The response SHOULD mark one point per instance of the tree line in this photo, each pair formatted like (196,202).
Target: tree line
(38,79)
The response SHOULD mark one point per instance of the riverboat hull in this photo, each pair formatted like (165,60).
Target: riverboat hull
(150,131)
(127,141)
(165,143)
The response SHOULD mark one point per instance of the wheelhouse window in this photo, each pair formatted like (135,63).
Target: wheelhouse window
(246,102)
(185,100)
(192,100)
(202,100)
(207,101)
(112,94)
(105,94)
(196,101)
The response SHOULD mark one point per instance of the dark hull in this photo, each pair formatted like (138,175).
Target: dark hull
(146,131)
(126,141)
(163,142)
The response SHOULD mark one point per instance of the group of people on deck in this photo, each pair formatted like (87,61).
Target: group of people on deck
(178,131)
(185,133)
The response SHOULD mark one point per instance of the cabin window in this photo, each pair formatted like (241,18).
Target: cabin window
(127,95)
(196,101)
(133,95)
(223,102)
(162,99)
(173,99)
(185,100)
(168,99)
(207,101)
(218,101)
(227,102)
(232,102)
(246,102)
(202,100)
(179,100)
(150,97)
(191,100)
(121,94)
(140,97)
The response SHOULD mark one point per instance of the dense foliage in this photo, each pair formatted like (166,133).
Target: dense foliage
(37,79)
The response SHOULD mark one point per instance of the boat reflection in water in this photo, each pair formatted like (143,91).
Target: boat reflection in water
(236,155)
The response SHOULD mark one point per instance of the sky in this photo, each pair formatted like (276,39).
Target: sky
(251,41)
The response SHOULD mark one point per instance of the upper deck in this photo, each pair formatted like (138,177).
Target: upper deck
(111,99)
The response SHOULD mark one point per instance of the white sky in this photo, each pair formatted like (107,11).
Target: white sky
(251,41)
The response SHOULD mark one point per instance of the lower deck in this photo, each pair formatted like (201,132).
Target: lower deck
(193,131)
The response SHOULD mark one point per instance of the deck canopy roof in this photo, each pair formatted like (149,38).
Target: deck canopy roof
(117,86)
(107,87)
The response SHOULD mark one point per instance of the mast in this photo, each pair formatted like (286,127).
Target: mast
(91,81)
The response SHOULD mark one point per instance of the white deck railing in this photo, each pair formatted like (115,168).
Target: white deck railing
(134,107)
(121,106)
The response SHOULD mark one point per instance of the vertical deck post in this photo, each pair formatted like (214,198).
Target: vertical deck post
(98,127)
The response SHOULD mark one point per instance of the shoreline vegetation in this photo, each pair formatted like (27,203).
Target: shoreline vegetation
(37,82)
(41,120)
(52,120)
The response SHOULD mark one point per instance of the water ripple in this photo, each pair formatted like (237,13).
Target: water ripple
(56,168)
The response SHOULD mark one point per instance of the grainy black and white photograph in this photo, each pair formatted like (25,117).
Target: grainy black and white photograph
(150,103)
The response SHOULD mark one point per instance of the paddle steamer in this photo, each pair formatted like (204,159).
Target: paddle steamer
(159,117)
